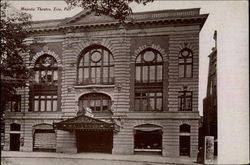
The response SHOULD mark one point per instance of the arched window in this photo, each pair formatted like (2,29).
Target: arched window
(149,67)
(148,81)
(15,127)
(185,63)
(97,102)
(46,70)
(95,66)
(185,128)
(44,89)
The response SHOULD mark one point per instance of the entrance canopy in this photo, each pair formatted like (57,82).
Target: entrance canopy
(86,123)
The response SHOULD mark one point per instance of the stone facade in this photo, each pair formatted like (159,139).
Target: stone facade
(166,32)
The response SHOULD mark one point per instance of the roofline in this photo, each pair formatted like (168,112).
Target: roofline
(162,11)
(133,13)
(134,18)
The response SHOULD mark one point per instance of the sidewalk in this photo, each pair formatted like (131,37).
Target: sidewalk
(101,156)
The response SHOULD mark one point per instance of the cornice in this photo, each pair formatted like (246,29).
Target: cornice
(190,16)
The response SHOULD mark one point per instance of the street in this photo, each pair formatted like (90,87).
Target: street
(69,161)
(50,158)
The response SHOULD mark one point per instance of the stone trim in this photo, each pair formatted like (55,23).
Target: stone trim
(188,45)
(152,46)
(41,53)
(104,42)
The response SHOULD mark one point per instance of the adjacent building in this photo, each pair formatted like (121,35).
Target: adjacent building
(102,86)
(210,102)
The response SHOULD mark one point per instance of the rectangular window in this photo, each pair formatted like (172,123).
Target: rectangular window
(55,79)
(181,70)
(54,105)
(44,103)
(80,75)
(138,74)
(152,74)
(148,101)
(159,73)
(16,103)
(185,101)
(37,77)
(189,70)
(87,79)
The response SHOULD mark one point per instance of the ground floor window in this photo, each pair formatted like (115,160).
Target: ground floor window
(148,140)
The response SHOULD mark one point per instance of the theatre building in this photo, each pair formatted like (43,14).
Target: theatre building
(103,86)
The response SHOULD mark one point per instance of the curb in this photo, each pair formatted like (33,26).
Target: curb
(9,156)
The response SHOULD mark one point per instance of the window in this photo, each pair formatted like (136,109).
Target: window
(15,127)
(45,103)
(97,102)
(15,103)
(148,81)
(149,67)
(185,101)
(185,128)
(148,101)
(44,89)
(95,66)
(185,63)
(46,70)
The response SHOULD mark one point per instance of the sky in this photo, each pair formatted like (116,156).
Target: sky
(230,19)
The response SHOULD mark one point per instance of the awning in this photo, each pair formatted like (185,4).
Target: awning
(85,123)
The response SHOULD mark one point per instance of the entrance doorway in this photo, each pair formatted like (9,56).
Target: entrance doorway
(15,137)
(184,145)
(94,141)
(14,142)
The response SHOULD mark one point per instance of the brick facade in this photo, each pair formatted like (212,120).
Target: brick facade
(167,32)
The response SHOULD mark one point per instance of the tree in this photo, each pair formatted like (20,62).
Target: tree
(118,9)
(14,74)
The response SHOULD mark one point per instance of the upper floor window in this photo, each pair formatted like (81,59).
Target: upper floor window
(149,67)
(185,100)
(148,101)
(46,102)
(15,103)
(44,91)
(185,63)
(46,70)
(97,102)
(148,81)
(95,66)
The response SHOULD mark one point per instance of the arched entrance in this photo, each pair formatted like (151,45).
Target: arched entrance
(148,139)
(95,138)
